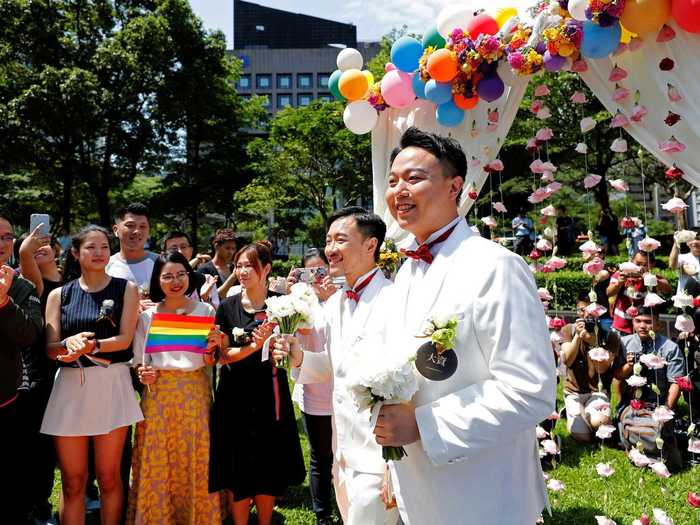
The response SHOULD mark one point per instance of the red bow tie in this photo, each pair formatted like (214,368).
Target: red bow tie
(355,293)
(422,253)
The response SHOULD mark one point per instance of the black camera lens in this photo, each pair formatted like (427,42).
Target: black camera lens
(589,324)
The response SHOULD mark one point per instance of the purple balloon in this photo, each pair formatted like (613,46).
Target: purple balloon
(553,62)
(490,87)
(541,47)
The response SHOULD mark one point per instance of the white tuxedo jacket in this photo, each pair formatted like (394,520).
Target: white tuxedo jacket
(477,460)
(354,441)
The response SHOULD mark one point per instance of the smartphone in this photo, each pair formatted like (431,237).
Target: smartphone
(310,275)
(40,218)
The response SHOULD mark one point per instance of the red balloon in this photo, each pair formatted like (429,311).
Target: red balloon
(686,13)
(482,24)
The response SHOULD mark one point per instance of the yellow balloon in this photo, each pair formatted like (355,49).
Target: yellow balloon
(645,16)
(627,36)
(503,14)
(353,84)
(369,75)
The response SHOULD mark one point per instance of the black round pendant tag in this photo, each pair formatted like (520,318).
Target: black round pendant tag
(434,365)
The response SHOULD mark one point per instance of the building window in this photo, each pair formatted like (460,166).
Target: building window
(284,100)
(267,104)
(304,99)
(260,28)
(305,80)
(263,81)
(284,81)
(323,80)
(325,97)
(244,82)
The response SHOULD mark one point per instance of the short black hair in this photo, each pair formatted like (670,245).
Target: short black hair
(175,234)
(583,297)
(311,253)
(135,208)
(447,150)
(6,217)
(648,310)
(369,224)
(649,255)
(155,291)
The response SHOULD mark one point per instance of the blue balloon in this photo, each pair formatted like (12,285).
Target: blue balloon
(438,92)
(449,115)
(418,85)
(599,41)
(405,53)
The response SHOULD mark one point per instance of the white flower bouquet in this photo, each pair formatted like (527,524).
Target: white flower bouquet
(292,311)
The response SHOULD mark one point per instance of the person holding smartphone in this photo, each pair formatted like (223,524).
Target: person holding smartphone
(587,380)
(90,323)
(255,450)
(173,421)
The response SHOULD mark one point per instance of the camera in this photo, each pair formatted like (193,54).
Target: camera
(590,325)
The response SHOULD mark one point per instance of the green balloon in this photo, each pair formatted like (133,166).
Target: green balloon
(432,38)
(333,85)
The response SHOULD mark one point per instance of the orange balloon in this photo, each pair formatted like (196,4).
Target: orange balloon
(442,65)
(645,16)
(465,103)
(353,84)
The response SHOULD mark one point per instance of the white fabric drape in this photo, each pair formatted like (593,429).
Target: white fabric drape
(645,76)
(482,144)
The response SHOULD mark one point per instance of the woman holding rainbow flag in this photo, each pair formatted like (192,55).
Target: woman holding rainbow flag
(174,343)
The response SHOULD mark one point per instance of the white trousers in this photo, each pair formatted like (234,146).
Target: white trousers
(358,495)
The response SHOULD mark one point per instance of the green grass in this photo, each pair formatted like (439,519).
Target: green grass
(622,497)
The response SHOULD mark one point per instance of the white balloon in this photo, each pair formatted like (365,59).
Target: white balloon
(349,58)
(506,72)
(360,117)
(454,16)
(577,9)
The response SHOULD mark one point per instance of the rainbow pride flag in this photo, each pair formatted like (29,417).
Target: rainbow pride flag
(178,333)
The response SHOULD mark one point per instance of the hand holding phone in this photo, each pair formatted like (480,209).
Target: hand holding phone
(42,221)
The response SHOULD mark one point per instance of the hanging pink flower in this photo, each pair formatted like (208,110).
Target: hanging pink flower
(550,447)
(554,416)
(582,148)
(666,64)
(694,445)
(493,115)
(587,124)
(489,221)
(536,166)
(617,74)
(548,166)
(547,176)
(555,485)
(544,294)
(672,145)
(532,145)
(544,113)
(471,192)
(636,381)
(648,244)
(619,145)
(579,66)
(674,205)
(673,94)
(620,94)
(595,310)
(626,222)
(662,414)
(672,119)
(684,382)
(651,299)
(499,207)
(619,121)
(684,323)
(621,48)
(629,267)
(549,211)
(632,312)
(556,262)
(589,248)
(639,459)
(666,34)
(541,432)
(534,255)
(542,91)
(536,105)
(591,180)
(636,44)
(553,187)
(554,337)
(636,404)
(492,127)
(579,97)
(556,323)
(674,173)
(599,354)
(544,245)
(544,134)
(619,185)
(605,431)
(653,361)
(694,499)
(660,470)
(538,195)
(594,266)
(474,162)
(638,113)
(604,520)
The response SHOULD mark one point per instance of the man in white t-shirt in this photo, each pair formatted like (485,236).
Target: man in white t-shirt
(688,264)
(133,262)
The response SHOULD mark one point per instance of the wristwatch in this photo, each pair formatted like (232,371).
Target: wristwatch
(98,347)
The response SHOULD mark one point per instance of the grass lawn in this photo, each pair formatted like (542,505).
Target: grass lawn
(622,497)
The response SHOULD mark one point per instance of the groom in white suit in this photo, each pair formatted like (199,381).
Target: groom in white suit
(352,248)
(470,434)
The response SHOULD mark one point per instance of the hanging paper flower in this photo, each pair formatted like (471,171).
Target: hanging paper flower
(556,323)
(619,185)
(582,148)
(594,266)
(489,221)
(589,248)
(599,354)
(672,145)
(652,299)
(605,431)
(662,414)
(579,66)
(636,43)
(620,94)
(660,470)
(539,195)
(694,499)
(672,119)
(619,145)
(595,310)
(547,176)
(544,113)
(626,222)
(617,74)
(542,91)
(553,187)
(579,97)
(604,520)
(471,192)
(549,211)
(636,381)
(532,145)
(544,294)
(674,173)
(474,162)
(544,245)
(636,404)
(619,121)
(639,459)
(648,244)
(650,280)
(544,134)
(536,105)
(638,113)
(673,94)
(587,124)
(666,64)
(591,180)
(694,446)
(499,207)
(674,205)
(493,166)
(556,262)
(629,267)
(682,300)
(550,447)
(653,361)
(666,34)
(541,433)
(684,382)
(684,323)
(555,485)
(534,255)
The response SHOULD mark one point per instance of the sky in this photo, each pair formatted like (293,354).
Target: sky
(373,18)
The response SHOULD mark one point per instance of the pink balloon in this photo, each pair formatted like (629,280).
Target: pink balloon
(397,89)
(389,67)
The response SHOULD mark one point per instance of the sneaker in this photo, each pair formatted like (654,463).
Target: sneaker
(92,504)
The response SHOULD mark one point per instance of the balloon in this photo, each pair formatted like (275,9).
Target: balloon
(353,84)
(598,41)
(389,67)
(626,36)
(503,14)
(360,117)
(405,53)
(438,92)
(553,62)
(349,58)
(490,87)
(397,89)
(369,75)
(465,103)
(482,24)
(449,115)
(645,16)
(432,38)
(453,17)
(505,72)
(333,85)
(577,9)
(442,65)
(686,13)
(418,85)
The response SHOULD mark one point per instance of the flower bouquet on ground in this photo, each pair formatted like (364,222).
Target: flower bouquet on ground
(382,378)
(291,312)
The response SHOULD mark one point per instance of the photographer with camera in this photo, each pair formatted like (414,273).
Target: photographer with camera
(588,377)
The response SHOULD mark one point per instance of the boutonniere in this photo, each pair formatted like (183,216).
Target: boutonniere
(240,336)
(436,360)
(107,312)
